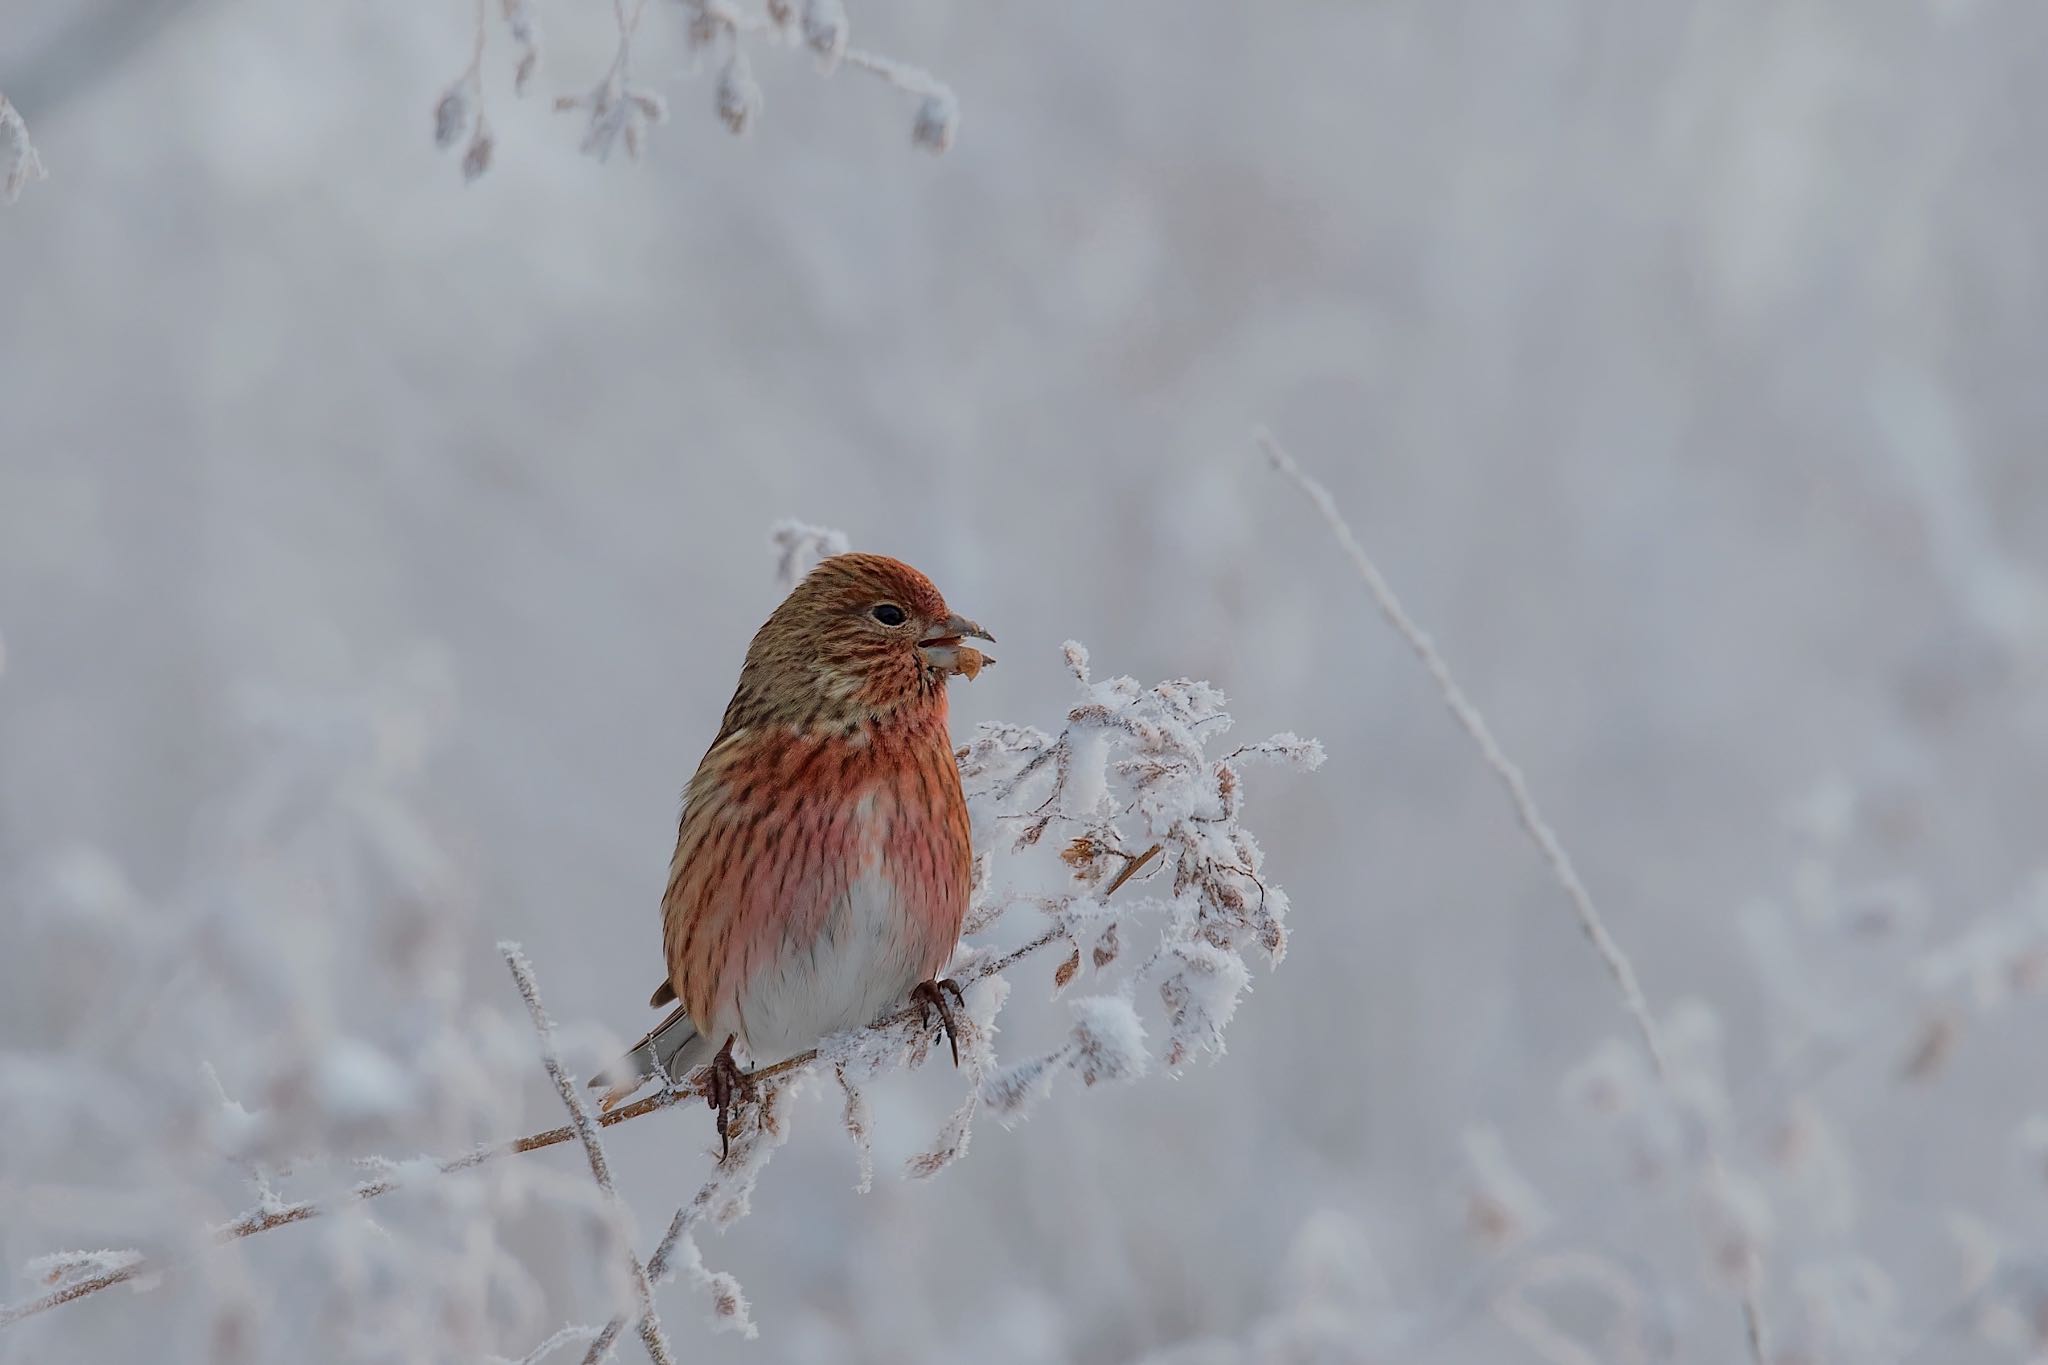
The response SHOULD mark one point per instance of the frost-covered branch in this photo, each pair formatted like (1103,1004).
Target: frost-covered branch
(593,1150)
(798,545)
(718,34)
(19,163)
(1736,1248)
(938,111)
(1468,716)
(459,113)
(619,110)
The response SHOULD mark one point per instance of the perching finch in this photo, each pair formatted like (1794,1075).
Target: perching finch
(822,867)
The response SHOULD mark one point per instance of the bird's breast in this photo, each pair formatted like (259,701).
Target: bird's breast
(857,894)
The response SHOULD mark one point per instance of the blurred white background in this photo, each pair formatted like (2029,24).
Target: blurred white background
(1680,362)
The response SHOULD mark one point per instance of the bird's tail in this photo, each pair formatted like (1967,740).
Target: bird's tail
(673,1048)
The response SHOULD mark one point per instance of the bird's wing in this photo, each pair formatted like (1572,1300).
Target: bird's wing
(703,841)
(673,1048)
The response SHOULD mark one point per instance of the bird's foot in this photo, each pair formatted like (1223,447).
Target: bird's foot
(726,1086)
(931,996)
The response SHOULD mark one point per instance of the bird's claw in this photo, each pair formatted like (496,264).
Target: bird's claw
(931,996)
(725,1085)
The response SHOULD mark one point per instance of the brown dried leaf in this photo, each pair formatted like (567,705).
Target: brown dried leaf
(477,159)
(1938,1036)
(1106,947)
(453,115)
(1273,938)
(1067,970)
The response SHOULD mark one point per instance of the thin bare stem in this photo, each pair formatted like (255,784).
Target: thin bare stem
(912,80)
(476,47)
(1474,724)
(586,1127)
(1530,815)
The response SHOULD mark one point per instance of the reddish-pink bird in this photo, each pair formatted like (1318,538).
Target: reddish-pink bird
(823,864)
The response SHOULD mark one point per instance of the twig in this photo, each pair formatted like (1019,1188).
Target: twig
(938,110)
(562,1337)
(664,1251)
(617,107)
(1531,817)
(1130,869)
(1474,724)
(593,1148)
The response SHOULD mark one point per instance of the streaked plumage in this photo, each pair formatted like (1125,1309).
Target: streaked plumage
(822,865)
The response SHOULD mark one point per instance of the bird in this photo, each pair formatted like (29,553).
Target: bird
(823,860)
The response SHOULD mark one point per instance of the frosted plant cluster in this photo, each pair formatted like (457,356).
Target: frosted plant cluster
(718,34)
(19,163)
(1128,781)
(1110,850)
(276,1042)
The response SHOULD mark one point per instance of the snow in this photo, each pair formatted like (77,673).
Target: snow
(357,1084)
(19,164)
(61,1268)
(1200,984)
(1013,1092)
(1109,1040)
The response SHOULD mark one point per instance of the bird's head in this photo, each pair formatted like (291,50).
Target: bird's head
(861,636)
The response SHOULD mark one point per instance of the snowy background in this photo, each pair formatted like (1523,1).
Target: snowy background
(376,554)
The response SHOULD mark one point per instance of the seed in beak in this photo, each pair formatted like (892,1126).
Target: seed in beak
(945,655)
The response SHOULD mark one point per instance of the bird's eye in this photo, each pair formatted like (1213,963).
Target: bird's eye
(889,614)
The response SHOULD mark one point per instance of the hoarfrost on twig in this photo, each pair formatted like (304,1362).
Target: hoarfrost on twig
(19,163)
(593,1148)
(799,546)
(617,111)
(459,113)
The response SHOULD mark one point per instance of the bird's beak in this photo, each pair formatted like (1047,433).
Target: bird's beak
(945,654)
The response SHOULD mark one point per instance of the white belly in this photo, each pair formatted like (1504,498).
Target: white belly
(862,964)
